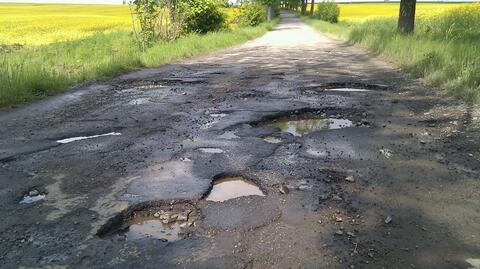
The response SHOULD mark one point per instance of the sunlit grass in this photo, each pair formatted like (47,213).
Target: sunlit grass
(445,48)
(39,71)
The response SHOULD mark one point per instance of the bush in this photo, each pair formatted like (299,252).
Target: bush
(252,14)
(328,11)
(202,16)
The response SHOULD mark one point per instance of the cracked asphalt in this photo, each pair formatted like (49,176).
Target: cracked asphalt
(413,153)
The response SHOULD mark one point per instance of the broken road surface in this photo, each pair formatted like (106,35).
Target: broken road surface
(290,151)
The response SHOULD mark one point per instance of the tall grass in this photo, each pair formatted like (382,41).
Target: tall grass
(32,73)
(445,48)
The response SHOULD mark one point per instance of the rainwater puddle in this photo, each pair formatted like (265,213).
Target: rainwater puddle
(303,127)
(151,227)
(346,90)
(32,199)
(169,222)
(232,187)
(73,139)
(272,140)
(211,150)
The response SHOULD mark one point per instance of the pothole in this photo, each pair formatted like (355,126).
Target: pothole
(227,188)
(78,138)
(347,90)
(211,150)
(307,126)
(166,223)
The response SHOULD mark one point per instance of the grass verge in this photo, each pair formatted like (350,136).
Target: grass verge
(444,50)
(32,73)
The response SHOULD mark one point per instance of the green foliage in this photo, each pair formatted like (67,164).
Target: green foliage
(252,14)
(443,49)
(144,16)
(328,11)
(31,73)
(202,16)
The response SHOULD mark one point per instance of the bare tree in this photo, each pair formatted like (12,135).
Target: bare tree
(406,20)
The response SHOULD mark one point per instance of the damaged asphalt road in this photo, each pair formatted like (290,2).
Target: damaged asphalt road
(385,177)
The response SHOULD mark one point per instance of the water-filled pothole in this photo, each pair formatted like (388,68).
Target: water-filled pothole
(30,199)
(167,223)
(347,90)
(306,126)
(227,188)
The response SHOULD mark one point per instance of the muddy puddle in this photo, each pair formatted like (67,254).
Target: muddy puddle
(78,138)
(307,126)
(232,187)
(166,223)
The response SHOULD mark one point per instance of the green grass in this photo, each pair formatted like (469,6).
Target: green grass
(444,50)
(32,73)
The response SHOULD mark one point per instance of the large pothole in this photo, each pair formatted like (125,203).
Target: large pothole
(231,187)
(303,123)
(167,222)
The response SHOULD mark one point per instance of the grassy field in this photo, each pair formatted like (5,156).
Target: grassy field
(84,42)
(445,48)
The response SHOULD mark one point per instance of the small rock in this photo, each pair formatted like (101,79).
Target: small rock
(339,232)
(156,215)
(283,189)
(184,225)
(182,217)
(351,234)
(388,220)
(337,198)
(33,193)
(323,197)
(350,179)
(338,219)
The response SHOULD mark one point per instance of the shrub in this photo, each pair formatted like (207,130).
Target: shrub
(203,16)
(328,11)
(252,14)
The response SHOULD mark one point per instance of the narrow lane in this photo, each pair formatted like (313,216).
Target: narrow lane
(348,163)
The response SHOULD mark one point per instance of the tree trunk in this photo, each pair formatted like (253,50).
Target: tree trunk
(270,12)
(304,7)
(406,20)
(312,8)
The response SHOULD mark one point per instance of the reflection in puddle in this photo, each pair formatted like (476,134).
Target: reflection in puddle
(303,127)
(272,140)
(347,90)
(474,262)
(151,227)
(211,150)
(232,187)
(32,199)
(73,139)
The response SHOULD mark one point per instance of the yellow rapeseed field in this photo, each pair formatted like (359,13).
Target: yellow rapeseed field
(30,24)
(363,11)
